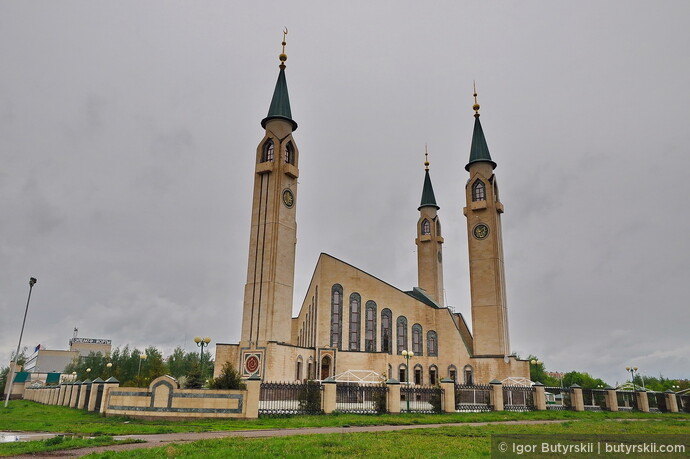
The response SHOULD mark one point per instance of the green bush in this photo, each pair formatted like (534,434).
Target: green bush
(309,397)
(229,378)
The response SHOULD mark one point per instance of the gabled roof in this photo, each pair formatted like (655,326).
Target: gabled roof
(280,104)
(479,151)
(428,198)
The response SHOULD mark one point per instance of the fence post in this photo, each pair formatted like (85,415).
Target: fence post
(642,401)
(330,390)
(393,402)
(671,401)
(539,397)
(448,386)
(76,388)
(611,399)
(253,396)
(110,383)
(497,395)
(61,394)
(94,394)
(576,398)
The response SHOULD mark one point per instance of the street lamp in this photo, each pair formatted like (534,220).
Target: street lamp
(88,372)
(536,363)
(142,357)
(632,371)
(10,374)
(202,343)
(108,365)
(74,376)
(408,355)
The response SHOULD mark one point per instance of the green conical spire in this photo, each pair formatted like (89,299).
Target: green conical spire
(428,198)
(480,150)
(280,104)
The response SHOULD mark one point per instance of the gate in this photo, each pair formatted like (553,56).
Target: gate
(282,399)
(472,398)
(420,399)
(558,398)
(626,400)
(518,398)
(362,399)
(594,399)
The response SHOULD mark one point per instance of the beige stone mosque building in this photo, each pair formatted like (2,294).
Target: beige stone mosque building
(353,325)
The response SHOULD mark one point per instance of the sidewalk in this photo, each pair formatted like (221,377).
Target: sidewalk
(153,441)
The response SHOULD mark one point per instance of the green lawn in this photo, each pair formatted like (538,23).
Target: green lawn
(33,417)
(455,442)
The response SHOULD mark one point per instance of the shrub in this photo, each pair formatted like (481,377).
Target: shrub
(229,378)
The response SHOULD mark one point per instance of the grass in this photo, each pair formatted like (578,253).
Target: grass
(451,441)
(29,416)
(55,444)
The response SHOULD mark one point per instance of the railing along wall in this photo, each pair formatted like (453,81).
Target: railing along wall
(361,398)
(473,398)
(421,399)
(518,398)
(284,398)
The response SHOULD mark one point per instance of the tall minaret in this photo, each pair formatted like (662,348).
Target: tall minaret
(487,278)
(429,242)
(271,268)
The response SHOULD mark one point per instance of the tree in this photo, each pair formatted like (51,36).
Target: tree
(194,379)
(583,380)
(537,372)
(229,378)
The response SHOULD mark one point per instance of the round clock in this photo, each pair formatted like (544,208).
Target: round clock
(480,231)
(288,198)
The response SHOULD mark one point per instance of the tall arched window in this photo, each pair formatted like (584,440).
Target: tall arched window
(478,191)
(426,227)
(289,153)
(417,346)
(336,315)
(401,333)
(298,369)
(402,373)
(431,343)
(386,331)
(355,320)
(469,375)
(433,375)
(267,151)
(370,327)
(453,373)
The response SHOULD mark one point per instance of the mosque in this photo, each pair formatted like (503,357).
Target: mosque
(351,322)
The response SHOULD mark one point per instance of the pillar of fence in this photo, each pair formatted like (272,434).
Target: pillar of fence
(576,398)
(611,399)
(448,386)
(642,401)
(61,394)
(539,397)
(253,395)
(76,388)
(94,394)
(330,390)
(68,393)
(671,401)
(393,402)
(54,392)
(497,395)
(110,383)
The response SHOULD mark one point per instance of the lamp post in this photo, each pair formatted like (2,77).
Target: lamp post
(74,376)
(10,374)
(202,343)
(407,355)
(632,371)
(142,357)
(88,373)
(108,365)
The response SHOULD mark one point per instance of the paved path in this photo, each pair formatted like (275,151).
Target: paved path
(153,441)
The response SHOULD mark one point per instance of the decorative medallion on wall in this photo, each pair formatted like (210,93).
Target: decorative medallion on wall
(288,198)
(251,363)
(481,231)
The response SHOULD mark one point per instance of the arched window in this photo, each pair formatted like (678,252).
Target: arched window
(390,371)
(469,375)
(418,375)
(401,333)
(336,315)
(453,373)
(433,375)
(267,151)
(289,153)
(355,320)
(495,191)
(478,191)
(417,346)
(310,368)
(402,373)
(386,331)
(370,327)
(438,227)
(426,227)
(431,343)
(298,369)
(325,367)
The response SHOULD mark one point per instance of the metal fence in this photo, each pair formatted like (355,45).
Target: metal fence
(420,399)
(518,398)
(627,401)
(361,398)
(558,398)
(472,398)
(653,402)
(594,399)
(281,399)
(683,403)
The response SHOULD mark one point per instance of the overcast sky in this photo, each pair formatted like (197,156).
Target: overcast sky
(128,132)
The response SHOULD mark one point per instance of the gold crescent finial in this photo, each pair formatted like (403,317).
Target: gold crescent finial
(426,158)
(475,107)
(283,56)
